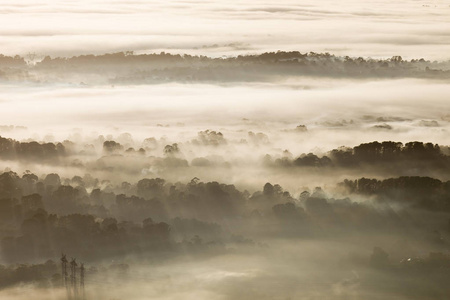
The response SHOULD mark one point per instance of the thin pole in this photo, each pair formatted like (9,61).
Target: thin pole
(83,295)
(73,268)
(64,275)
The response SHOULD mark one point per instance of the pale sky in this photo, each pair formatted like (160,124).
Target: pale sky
(383,28)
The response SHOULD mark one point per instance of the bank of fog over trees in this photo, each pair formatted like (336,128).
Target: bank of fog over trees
(44,215)
(161,156)
(363,221)
(130,68)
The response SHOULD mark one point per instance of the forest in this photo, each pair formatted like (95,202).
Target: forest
(123,68)
(155,219)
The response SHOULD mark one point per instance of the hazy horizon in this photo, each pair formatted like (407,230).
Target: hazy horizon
(378,29)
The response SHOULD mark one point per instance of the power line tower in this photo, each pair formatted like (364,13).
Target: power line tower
(73,277)
(83,295)
(64,275)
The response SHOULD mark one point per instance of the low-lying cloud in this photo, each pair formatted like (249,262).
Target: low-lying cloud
(381,29)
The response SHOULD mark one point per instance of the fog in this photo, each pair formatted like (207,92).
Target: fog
(254,119)
(216,150)
(323,108)
(410,28)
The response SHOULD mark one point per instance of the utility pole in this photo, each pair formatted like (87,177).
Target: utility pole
(74,291)
(83,295)
(73,269)
(64,275)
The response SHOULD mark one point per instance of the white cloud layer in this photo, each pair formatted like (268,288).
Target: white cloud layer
(360,28)
(407,105)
